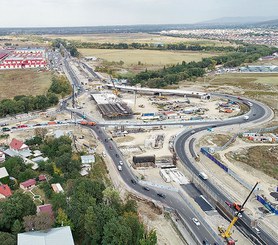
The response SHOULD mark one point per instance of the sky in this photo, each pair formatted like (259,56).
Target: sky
(52,13)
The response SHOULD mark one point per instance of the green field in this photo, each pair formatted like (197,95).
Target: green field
(146,57)
(23,82)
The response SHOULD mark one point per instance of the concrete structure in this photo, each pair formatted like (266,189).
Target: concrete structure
(160,92)
(111,107)
(5,191)
(55,236)
(87,159)
(27,184)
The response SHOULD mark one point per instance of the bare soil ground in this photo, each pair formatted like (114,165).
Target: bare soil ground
(263,158)
(23,82)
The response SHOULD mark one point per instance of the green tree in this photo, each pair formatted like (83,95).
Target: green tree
(7,238)
(16,227)
(117,232)
(62,219)
(149,239)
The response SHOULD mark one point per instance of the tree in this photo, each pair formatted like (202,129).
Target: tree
(14,166)
(17,227)
(63,220)
(116,232)
(42,221)
(7,238)
(149,239)
(41,132)
(26,174)
(16,207)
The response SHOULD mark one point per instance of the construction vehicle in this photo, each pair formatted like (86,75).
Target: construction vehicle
(227,233)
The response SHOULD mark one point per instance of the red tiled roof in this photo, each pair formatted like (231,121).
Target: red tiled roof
(42,177)
(28,183)
(5,190)
(16,144)
(47,208)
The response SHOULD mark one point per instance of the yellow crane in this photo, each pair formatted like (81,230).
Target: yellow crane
(227,233)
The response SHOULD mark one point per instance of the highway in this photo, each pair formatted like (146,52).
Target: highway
(257,113)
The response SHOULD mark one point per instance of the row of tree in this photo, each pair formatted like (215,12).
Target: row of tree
(24,104)
(156,46)
(70,46)
(188,71)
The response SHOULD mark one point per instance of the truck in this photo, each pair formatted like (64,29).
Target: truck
(246,118)
(203,176)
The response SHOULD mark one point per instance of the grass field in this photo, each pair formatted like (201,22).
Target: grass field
(23,82)
(244,79)
(137,38)
(146,57)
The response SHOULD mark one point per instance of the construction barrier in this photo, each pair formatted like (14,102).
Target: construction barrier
(267,205)
(208,155)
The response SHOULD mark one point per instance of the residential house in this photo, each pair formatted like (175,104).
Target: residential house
(18,146)
(5,191)
(61,235)
(4,176)
(46,208)
(28,184)
(57,188)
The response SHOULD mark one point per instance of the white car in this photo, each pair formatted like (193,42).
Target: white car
(196,221)
(121,163)
(120,168)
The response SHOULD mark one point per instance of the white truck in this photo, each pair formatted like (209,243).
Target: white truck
(203,175)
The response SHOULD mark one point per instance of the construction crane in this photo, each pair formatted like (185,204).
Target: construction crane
(115,90)
(239,210)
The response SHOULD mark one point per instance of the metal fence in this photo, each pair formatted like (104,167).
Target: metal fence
(226,169)
(267,205)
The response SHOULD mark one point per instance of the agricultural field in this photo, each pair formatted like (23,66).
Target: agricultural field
(137,38)
(22,41)
(146,57)
(23,82)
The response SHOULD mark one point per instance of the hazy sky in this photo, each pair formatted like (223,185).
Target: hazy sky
(27,13)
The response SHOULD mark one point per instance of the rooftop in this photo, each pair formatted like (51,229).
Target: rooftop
(5,190)
(3,172)
(61,235)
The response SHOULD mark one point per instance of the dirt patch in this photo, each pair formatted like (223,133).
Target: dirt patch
(214,140)
(263,158)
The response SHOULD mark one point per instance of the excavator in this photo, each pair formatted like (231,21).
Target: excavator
(226,234)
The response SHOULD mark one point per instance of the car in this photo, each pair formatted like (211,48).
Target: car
(205,242)
(196,222)
(161,194)
(146,188)
(116,155)
(121,162)
(133,181)
(120,168)
(254,114)
(193,132)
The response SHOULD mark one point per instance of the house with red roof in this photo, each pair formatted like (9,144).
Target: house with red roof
(5,191)
(42,177)
(18,146)
(28,184)
(46,208)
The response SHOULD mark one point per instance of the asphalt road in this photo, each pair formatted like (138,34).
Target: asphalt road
(257,113)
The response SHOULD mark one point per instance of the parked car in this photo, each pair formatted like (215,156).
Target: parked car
(121,163)
(120,168)
(146,188)
(133,181)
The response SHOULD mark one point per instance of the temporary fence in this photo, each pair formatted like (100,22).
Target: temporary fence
(267,205)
